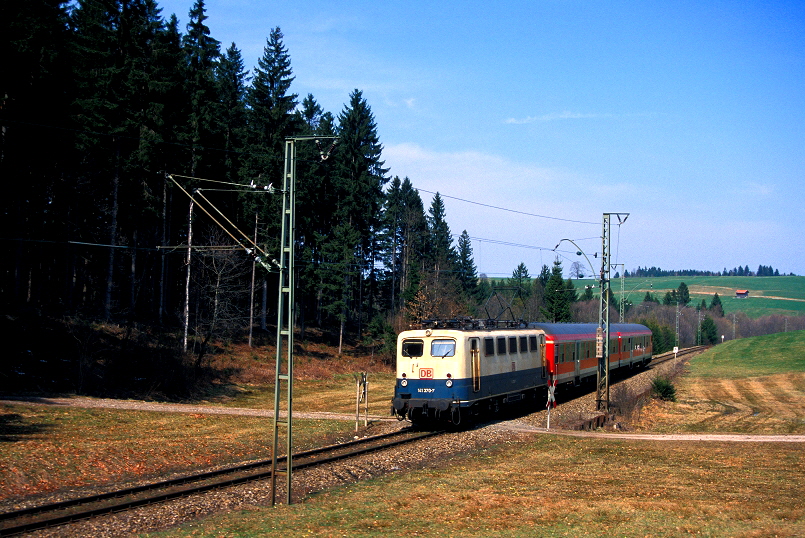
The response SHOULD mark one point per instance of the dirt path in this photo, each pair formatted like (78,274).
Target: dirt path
(138,405)
(725,437)
(510,425)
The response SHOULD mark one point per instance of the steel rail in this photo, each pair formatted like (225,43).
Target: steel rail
(54,521)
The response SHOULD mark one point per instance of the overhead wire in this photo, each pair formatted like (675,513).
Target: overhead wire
(506,209)
(257,248)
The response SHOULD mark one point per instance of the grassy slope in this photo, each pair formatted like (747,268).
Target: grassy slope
(751,357)
(751,385)
(783,295)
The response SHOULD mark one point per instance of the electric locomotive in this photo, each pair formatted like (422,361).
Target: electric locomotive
(451,371)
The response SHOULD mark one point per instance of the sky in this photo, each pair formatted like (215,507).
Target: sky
(535,118)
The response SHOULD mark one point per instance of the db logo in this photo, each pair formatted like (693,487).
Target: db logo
(426,373)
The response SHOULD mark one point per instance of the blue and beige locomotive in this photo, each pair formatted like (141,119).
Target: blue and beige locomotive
(452,371)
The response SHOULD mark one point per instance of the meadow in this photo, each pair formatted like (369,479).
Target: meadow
(534,484)
(783,295)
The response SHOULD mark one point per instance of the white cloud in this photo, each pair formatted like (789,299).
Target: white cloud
(566,115)
(755,189)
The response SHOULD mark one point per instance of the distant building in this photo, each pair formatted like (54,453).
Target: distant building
(741,294)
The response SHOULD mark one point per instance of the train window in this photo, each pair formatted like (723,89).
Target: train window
(532,342)
(513,345)
(501,345)
(523,344)
(443,348)
(412,348)
(489,346)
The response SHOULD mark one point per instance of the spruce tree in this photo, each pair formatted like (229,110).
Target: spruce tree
(442,255)
(37,157)
(521,280)
(557,302)
(270,111)
(544,275)
(716,307)
(231,77)
(353,246)
(709,331)
(467,273)
(683,294)
(201,55)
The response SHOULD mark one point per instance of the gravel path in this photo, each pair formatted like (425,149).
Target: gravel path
(139,405)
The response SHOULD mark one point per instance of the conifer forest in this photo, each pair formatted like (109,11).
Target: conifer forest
(113,116)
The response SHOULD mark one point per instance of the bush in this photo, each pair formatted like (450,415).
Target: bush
(663,389)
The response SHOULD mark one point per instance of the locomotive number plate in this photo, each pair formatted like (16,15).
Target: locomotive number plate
(426,373)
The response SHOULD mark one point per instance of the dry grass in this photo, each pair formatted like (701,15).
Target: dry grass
(47,448)
(767,404)
(553,486)
(334,394)
(314,359)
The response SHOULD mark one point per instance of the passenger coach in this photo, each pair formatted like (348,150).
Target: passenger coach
(450,370)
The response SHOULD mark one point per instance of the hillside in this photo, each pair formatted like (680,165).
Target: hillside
(781,295)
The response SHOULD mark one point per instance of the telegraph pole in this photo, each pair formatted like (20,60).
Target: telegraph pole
(602,334)
(286,314)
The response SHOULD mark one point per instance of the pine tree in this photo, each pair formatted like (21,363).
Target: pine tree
(709,331)
(571,295)
(716,307)
(683,294)
(202,53)
(557,302)
(520,279)
(544,275)
(358,181)
(37,162)
(271,111)
(467,273)
(442,255)
(413,237)
(231,86)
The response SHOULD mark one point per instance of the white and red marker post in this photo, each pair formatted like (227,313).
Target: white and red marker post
(551,398)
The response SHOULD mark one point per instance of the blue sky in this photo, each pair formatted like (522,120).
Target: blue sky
(690,116)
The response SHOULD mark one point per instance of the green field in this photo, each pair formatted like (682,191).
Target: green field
(784,295)
(751,357)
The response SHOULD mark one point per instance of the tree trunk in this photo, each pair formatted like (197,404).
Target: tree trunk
(110,270)
(187,279)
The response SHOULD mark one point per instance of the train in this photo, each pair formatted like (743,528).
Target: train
(454,371)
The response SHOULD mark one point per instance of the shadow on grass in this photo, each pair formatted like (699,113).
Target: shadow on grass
(13,427)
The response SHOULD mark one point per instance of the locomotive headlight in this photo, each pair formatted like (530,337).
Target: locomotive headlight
(403,382)
(449,383)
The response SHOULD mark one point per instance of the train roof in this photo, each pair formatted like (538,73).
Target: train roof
(468,324)
(577,328)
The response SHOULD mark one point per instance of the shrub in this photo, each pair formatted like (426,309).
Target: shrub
(663,389)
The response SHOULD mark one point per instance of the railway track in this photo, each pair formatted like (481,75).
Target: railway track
(669,355)
(61,513)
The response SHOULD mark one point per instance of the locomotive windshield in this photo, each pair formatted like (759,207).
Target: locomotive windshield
(412,348)
(443,348)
